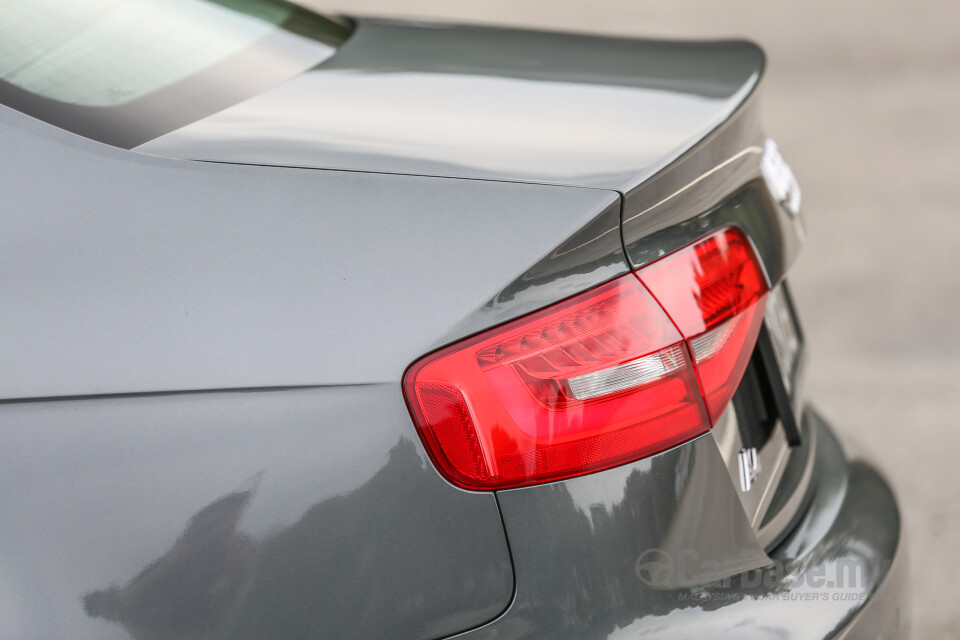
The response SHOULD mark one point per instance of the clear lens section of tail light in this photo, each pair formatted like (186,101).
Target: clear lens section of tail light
(714,290)
(628,375)
(611,375)
(589,383)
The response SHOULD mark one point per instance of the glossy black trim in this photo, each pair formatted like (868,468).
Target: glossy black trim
(781,397)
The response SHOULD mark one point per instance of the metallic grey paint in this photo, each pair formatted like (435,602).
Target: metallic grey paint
(485,103)
(312,512)
(240,515)
(660,215)
(140,274)
(606,526)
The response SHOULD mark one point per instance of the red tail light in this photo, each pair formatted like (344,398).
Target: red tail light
(600,379)
(714,291)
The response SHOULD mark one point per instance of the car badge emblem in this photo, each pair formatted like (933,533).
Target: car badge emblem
(779,178)
(749,468)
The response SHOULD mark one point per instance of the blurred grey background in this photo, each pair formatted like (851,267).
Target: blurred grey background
(864,101)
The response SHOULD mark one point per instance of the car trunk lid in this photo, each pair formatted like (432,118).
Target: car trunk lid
(475,102)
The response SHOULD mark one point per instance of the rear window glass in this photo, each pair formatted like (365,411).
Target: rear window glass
(125,71)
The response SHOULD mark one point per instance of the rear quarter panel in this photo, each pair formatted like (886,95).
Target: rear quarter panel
(283,514)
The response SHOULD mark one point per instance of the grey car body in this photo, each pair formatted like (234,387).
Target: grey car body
(202,427)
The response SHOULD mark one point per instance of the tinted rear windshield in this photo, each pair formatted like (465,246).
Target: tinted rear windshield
(126,71)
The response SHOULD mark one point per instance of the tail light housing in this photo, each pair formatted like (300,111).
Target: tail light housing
(617,373)
(715,292)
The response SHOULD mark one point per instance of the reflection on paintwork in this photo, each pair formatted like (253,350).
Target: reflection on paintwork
(190,591)
(480,126)
(738,157)
(303,261)
(824,587)
(481,103)
(277,514)
(636,559)
(603,524)
(320,577)
(593,254)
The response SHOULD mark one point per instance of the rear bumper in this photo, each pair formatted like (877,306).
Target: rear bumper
(848,553)
(886,615)
(870,515)
(840,573)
